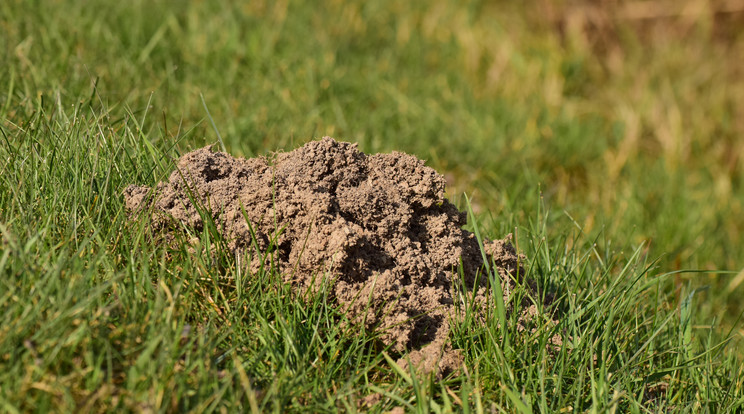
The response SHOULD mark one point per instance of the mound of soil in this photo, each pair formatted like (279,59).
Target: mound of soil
(378,227)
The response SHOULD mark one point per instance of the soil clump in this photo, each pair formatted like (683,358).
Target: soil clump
(377,229)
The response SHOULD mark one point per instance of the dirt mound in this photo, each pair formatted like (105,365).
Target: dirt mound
(378,224)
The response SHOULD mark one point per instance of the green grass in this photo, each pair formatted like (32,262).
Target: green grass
(613,152)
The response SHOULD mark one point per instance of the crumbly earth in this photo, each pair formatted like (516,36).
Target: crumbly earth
(378,227)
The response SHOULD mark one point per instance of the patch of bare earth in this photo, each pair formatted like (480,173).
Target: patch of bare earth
(377,226)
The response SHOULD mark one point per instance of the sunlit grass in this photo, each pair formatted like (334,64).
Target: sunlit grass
(626,129)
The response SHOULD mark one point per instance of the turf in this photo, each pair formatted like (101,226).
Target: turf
(610,147)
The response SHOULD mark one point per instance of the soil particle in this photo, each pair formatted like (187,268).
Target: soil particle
(379,225)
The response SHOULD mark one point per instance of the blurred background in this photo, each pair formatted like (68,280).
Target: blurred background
(624,118)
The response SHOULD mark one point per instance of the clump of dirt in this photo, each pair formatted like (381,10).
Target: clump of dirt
(379,225)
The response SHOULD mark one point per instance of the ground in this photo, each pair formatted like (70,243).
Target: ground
(605,138)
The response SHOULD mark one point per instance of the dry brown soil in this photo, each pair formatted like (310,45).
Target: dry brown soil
(376,229)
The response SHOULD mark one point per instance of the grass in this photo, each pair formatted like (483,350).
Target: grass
(610,145)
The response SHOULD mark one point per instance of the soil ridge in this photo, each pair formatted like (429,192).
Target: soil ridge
(379,224)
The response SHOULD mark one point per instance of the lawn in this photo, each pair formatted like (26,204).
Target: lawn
(609,140)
